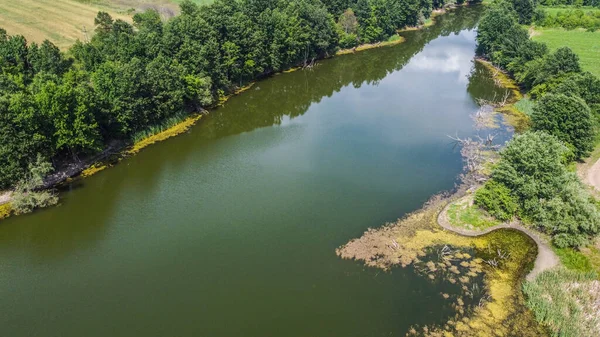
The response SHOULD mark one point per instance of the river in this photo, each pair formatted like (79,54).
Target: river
(230,229)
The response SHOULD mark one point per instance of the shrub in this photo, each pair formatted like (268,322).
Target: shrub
(574,260)
(525,105)
(27,197)
(568,118)
(533,167)
(496,199)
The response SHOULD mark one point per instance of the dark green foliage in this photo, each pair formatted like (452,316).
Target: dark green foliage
(571,19)
(493,29)
(584,85)
(568,118)
(27,195)
(525,10)
(131,76)
(496,199)
(533,167)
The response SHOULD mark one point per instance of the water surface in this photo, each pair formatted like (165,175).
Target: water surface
(230,230)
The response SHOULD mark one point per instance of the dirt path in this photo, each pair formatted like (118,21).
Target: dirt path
(4,197)
(546,259)
(592,177)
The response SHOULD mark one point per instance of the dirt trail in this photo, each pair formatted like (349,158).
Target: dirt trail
(593,176)
(4,197)
(546,258)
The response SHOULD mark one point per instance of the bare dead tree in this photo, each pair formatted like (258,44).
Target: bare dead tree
(475,153)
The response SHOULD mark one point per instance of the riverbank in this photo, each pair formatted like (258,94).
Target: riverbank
(511,252)
(504,256)
(546,258)
(120,150)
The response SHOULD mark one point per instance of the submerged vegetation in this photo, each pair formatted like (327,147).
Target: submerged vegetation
(532,183)
(504,257)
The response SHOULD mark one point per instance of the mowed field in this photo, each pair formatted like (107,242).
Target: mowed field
(63,21)
(585,44)
(60,21)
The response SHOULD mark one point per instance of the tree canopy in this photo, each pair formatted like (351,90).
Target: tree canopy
(131,76)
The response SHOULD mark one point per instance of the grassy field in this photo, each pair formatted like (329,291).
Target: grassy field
(554,10)
(585,44)
(63,21)
(464,215)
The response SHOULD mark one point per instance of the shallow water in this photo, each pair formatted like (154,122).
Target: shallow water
(230,230)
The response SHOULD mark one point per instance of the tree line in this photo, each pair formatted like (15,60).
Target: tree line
(127,77)
(533,180)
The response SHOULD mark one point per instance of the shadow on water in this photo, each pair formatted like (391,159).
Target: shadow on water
(231,228)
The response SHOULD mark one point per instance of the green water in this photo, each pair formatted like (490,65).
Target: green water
(230,229)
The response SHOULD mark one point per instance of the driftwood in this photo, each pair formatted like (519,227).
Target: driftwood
(475,153)
(75,168)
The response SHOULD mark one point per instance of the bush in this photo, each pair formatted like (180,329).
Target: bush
(525,105)
(533,167)
(27,197)
(568,118)
(495,198)
(574,260)
(349,41)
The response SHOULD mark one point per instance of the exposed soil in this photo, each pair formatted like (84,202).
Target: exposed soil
(5,197)
(592,176)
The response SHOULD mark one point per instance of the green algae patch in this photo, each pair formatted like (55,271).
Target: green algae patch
(173,131)
(515,118)
(368,46)
(90,171)
(224,99)
(503,79)
(503,257)
(5,211)
(512,105)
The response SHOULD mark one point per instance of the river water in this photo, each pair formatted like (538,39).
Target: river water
(230,229)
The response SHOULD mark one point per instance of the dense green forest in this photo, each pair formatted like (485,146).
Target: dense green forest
(129,77)
(533,180)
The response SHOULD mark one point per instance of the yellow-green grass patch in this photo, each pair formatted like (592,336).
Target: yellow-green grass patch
(5,210)
(464,214)
(172,131)
(60,21)
(556,9)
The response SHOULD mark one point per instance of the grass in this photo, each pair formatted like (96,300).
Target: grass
(585,44)
(555,9)
(170,128)
(464,215)
(60,21)
(574,260)
(525,105)
(63,21)
(563,301)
